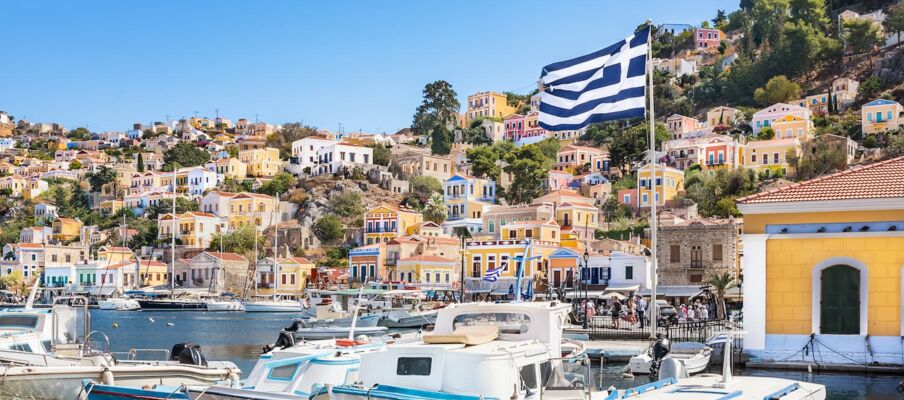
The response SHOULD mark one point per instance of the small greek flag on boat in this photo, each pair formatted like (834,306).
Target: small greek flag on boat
(493,274)
(602,86)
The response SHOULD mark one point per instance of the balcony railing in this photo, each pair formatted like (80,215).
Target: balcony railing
(696,264)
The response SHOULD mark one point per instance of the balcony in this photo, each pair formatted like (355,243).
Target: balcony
(696,264)
(379,230)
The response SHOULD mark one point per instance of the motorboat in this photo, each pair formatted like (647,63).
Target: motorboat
(225,305)
(402,318)
(74,354)
(285,371)
(275,305)
(29,330)
(329,332)
(119,304)
(505,351)
(694,357)
(717,343)
(675,385)
(364,321)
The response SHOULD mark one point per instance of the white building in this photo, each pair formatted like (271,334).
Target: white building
(45,212)
(332,158)
(767,116)
(200,180)
(306,150)
(35,234)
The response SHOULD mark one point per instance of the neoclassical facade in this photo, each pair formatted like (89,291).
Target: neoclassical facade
(824,267)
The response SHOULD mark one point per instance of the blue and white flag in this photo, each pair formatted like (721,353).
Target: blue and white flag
(493,274)
(602,86)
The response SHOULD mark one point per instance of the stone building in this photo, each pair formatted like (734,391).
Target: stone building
(691,250)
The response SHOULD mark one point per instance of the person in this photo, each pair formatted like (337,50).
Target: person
(616,313)
(641,308)
(631,308)
(704,312)
(690,313)
(682,312)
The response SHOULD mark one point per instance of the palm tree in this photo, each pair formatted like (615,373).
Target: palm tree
(720,283)
(435,210)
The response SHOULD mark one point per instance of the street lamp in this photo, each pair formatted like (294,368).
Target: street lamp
(586,258)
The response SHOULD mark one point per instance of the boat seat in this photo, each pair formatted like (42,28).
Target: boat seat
(466,335)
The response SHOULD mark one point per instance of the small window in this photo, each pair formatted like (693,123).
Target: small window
(48,347)
(629,272)
(717,252)
(414,366)
(283,372)
(21,347)
(529,376)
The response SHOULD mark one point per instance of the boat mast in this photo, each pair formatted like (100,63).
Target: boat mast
(654,281)
(173,240)
(275,248)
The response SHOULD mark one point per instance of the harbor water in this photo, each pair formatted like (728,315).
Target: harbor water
(239,337)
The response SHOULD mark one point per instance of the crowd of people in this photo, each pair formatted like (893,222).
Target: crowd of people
(632,311)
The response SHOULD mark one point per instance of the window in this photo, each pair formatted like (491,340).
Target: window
(753,158)
(717,252)
(475,266)
(285,372)
(21,347)
(696,256)
(696,278)
(420,366)
(675,253)
(775,158)
(508,322)
(529,376)
(839,308)
(629,272)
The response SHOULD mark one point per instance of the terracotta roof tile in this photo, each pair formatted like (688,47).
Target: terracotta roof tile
(881,180)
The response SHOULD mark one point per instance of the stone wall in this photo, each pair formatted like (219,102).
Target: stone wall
(700,238)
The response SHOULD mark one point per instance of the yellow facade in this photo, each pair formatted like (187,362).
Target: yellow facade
(249,209)
(66,229)
(110,207)
(114,254)
(487,105)
(880,115)
(789,268)
(261,162)
(386,222)
(231,168)
(669,181)
(791,127)
(762,155)
(427,270)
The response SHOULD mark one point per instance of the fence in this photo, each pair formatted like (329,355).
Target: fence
(605,328)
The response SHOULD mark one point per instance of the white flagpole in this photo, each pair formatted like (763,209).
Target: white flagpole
(652,115)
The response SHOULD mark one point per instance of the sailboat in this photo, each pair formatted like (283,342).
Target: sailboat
(275,303)
(173,303)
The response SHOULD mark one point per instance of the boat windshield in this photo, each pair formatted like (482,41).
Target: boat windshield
(507,322)
(567,374)
(18,321)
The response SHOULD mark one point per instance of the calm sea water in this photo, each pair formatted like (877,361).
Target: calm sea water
(239,337)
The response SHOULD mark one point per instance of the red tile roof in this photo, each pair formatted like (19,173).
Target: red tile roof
(31,245)
(881,180)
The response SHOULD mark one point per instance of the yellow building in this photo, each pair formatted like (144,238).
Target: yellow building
(483,255)
(385,222)
(824,257)
(294,275)
(763,155)
(114,254)
(261,162)
(722,115)
(574,212)
(487,105)
(880,115)
(110,207)
(428,271)
(251,209)
(66,229)
(669,181)
(792,127)
(466,196)
(194,229)
(231,168)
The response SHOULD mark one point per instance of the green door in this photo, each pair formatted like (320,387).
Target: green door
(840,306)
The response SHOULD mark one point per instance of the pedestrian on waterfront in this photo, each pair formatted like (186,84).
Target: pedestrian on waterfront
(632,307)
(641,310)
(682,312)
(616,313)
(690,313)
(704,312)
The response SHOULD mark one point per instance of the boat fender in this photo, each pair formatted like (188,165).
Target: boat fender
(233,378)
(107,377)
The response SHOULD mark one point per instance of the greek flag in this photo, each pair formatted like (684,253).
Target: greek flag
(602,86)
(493,274)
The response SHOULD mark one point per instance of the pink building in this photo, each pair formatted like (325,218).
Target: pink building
(560,180)
(708,39)
(514,126)
(532,133)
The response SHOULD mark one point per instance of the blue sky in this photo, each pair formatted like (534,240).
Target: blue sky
(107,64)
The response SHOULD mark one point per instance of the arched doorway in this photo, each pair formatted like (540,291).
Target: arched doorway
(839,307)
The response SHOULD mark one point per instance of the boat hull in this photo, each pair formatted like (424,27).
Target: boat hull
(266,306)
(337,332)
(693,363)
(66,383)
(366,321)
(225,306)
(164,305)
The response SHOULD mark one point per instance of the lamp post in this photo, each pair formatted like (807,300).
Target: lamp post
(585,258)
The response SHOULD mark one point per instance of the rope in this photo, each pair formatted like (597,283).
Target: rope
(176,391)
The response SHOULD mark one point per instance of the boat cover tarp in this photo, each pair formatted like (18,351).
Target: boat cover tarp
(466,335)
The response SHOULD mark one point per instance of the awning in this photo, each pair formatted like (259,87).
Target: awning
(674,291)
(591,294)
(733,293)
(622,288)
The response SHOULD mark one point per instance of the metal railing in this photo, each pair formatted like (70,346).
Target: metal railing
(605,328)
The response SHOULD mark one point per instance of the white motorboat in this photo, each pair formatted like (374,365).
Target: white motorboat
(119,304)
(509,351)
(276,305)
(29,330)
(330,332)
(224,305)
(395,318)
(694,357)
(676,386)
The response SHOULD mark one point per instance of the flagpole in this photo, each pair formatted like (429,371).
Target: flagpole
(652,115)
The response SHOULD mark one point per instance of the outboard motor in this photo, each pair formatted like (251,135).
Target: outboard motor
(296,325)
(661,348)
(284,340)
(671,368)
(188,353)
